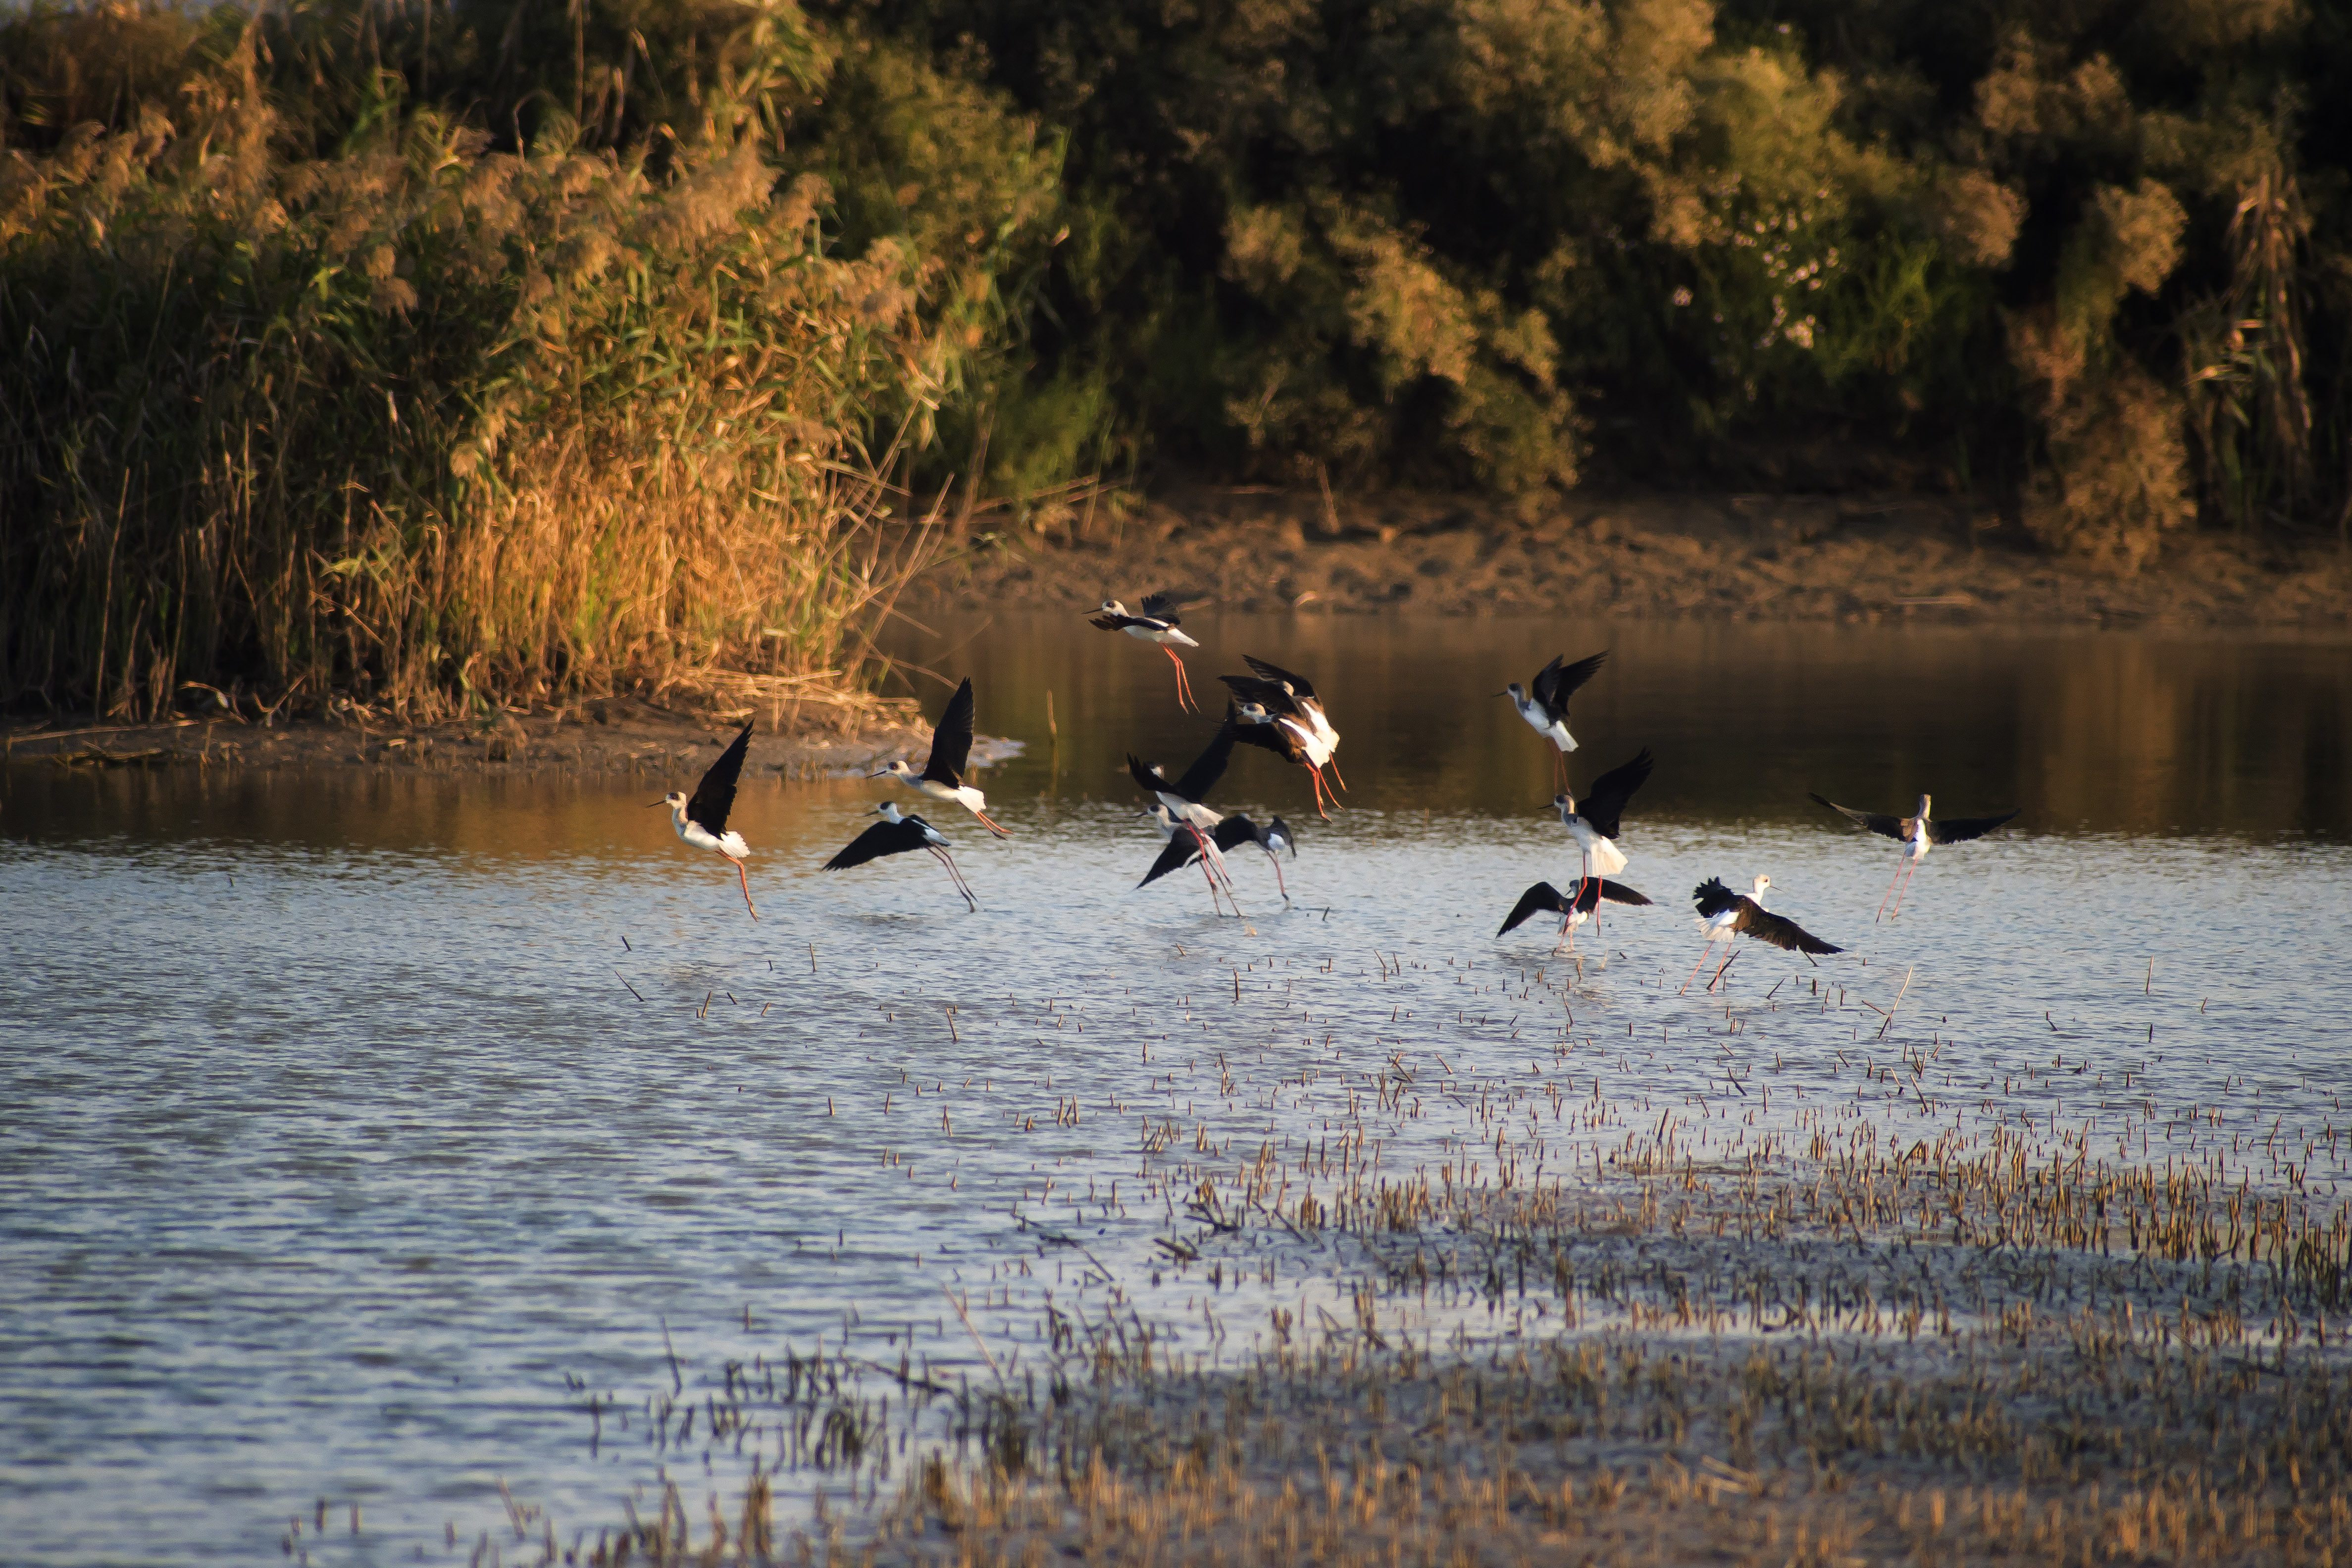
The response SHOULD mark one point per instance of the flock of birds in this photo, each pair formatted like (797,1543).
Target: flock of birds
(1278,711)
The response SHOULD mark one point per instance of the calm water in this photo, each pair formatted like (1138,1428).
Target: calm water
(356,1126)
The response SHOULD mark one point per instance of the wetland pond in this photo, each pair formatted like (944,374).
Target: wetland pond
(422,1144)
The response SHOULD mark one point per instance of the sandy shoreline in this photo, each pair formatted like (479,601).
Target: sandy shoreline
(1855,560)
(607,735)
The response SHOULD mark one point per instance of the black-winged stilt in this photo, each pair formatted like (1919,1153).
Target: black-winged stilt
(1919,834)
(1288,738)
(1230,834)
(702,821)
(942,776)
(895,835)
(1546,898)
(1157,624)
(1543,702)
(1726,914)
(1594,827)
(1185,811)
(1285,695)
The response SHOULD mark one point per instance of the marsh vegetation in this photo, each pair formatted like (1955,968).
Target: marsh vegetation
(442,356)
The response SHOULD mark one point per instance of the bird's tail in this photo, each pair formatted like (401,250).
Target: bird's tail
(731,846)
(1607,858)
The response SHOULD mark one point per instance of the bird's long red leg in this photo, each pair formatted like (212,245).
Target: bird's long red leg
(991,826)
(1908,872)
(955,877)
(1184,685)
(1334,766)
(747,890)
(1694,967)
(1727,958)
(1900,866)
(1279,885)
(1316,778)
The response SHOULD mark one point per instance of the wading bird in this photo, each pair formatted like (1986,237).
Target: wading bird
(1594,828)
(942,776)
(1231,833)
(1181,803)
(1544,897)
(1288,738)
(1919,834)
(1725,914)
(895,835)
(1291,696)
(1157,626)
(1543,702)
(702,821)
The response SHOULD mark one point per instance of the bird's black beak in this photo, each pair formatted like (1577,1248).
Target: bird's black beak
(651,804)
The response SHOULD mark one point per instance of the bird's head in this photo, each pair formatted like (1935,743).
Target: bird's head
(1923,806)
(1762,883)
(895,770)
(674,800)
(1110,607)
(1566,805)
(1252,713)
(887,810)
(1516,692)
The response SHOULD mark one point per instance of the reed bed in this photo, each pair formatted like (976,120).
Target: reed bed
(434,428)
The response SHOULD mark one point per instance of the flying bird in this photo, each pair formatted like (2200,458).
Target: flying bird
(1543,897)
(1183,809)
(1725,914)
(1157,624)
(942,776)
(898,833)
(1543,702)
(1288,738)
(1595,826)
(1919,834)
(702,821)
(1287,696)
(1230,834)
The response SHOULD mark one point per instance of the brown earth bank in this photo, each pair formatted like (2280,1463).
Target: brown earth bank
(605,734)
(1853,558)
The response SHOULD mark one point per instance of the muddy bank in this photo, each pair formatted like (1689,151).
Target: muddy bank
(606,735)
(1726,556)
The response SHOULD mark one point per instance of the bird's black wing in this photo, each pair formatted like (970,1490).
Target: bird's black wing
(881,839)
(1251,689)
(1614,892)
(1555,684)
(1606,802)
(952,741)
(1266,738)
(1233,832)
(1151,779)
(1278,829)
(1542,897)
(1960,830)
(1161,607)
(1175,855)
(715,795)
(1713,898)
(1209,766)
(1760,923)
(1111,622)
(1893,827)
(1298,684)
